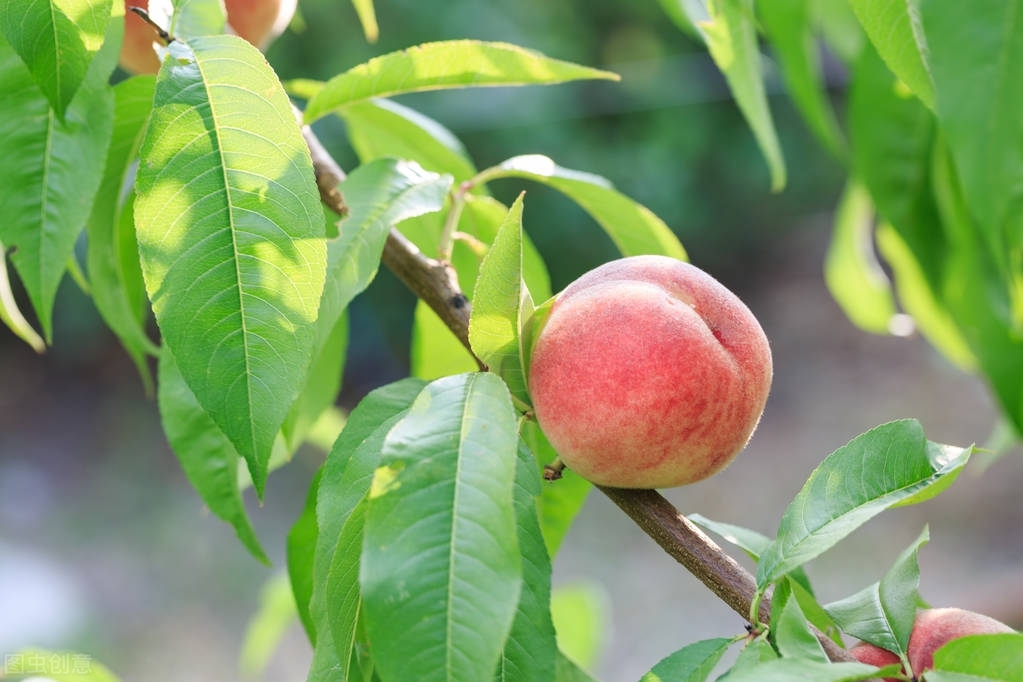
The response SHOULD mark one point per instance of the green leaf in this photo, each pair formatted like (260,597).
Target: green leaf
(688,15)
(749,541)
(567,671)
(11,314)
(883,613)
(301,545)
(692,663)
(890,464)
(112,257)
(731,37)
(795,586)
(448,64)
(895,29)
(976,658)
(346,478)
(321,388)
(51,170)
(342,593)
(531,651)
(207,457)
(561,500)
(57,40)
(580,614)
(368,19)
(977,90)
(379,194)
(231,237)
(380,127)
(441,572)
(788,24)
(499,304)
(633,228)
(790,630)
(268,626)
(893,136)
(854,277)
(195,18)
(56,666)
(839,28)
(789,669)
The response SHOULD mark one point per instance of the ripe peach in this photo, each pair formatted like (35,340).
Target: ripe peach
(932,629)
(257,21)
(649,373)
(865,652)
(935,627)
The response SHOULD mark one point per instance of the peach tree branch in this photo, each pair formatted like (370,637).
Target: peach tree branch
(436,283)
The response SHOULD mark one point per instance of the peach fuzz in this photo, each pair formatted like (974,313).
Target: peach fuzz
(648,373)
(257,21)
(865,652)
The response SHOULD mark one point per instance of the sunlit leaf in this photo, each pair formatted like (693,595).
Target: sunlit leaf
(57,40)
(633,228)
(896,30)
(449,64)
(854,277)
(11,315)
(368,19)
(231,237)
(979,658)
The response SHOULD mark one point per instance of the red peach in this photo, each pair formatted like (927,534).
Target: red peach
(257,21)
(865,652)
(649,373)
(935,627)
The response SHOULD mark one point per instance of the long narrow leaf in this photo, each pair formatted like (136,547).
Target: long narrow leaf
(231,237)
(450,64)
(441,571)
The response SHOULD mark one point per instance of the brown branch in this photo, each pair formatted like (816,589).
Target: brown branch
(432,280)
(436,283)
(702,557)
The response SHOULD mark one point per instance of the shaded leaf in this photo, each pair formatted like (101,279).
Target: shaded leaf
(789,669)
(300,549)
(51,170)
(790,631)
(789,26)
(883,613)
(112,257)
(731,37)
(345,481)
(889,465)
(531,651)
(692,663)
(207,457)
(448,64)
(231,237)
(441,572)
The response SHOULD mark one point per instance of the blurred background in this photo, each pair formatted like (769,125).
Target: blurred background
(105,548)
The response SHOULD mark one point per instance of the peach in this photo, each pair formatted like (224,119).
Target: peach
(257,21)
(865,652)
(648,373)
(935,627)
(932,629)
